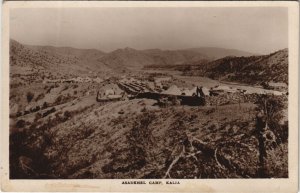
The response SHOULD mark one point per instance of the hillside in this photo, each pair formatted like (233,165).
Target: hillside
(135,139)
(65,61)
(49,62)
(251,70)
(175,57)
(82,54)
(81,60)
(126,58)
(217,53)
(132,58)
(61,130)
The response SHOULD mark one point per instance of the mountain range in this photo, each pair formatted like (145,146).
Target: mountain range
(216,63)
(126,57)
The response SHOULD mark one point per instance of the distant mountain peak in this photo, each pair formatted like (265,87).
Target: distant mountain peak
(129,49)
(153,49)
(126,50)
(217,53)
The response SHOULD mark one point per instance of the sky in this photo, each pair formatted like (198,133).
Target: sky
(256,30)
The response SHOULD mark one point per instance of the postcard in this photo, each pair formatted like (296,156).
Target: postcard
(150,96)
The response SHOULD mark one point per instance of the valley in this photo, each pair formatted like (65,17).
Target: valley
(147,114)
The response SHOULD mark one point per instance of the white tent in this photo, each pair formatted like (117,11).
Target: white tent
(173,90)
(205,91)
(109,92)
(98,80)
(225,88)
(188,92)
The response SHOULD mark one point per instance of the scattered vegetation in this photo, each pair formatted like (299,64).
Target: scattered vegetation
(251,70)
(61,133)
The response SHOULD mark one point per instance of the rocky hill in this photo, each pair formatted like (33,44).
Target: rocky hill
(217,53)
(82,54)
(38,60)
(23,56)
(251,70)
(175,57)
(126,58)
(132,58)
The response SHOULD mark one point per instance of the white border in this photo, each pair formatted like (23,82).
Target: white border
(199,185)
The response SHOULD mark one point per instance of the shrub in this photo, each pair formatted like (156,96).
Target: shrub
(52,110)
(268,121)
(45,105)
(29,96)
(20,123)
(12,96)
(40,96)
(37,116)
(141,135)
(19,114)
(144,109)
(34,109)
(272,108)
(67,114)
(59,99)
(65,88)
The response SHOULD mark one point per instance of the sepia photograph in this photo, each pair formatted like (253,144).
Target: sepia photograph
(165,93)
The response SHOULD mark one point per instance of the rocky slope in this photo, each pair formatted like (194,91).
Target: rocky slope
(43,61)
(136,139)
(82,54)
(131,58)
(251,70)
(126,58)
(217,53)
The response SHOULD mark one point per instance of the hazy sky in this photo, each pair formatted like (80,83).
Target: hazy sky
(258,30)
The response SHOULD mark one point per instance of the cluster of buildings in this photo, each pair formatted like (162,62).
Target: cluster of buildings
(281,86)
(161,87)
(74,80)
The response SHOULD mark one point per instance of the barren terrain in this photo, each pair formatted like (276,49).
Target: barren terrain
(61,128)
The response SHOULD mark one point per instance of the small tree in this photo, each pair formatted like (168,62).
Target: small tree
(270,113)
(271,107)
